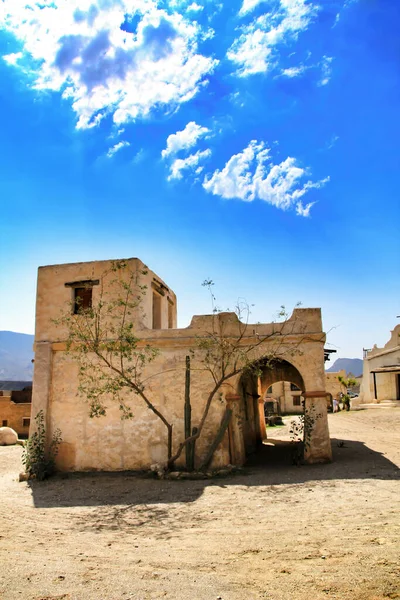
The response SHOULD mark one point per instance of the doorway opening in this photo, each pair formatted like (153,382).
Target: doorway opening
(266,399)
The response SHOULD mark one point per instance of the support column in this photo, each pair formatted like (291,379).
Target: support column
(319,449)
(41,384)
(261,418)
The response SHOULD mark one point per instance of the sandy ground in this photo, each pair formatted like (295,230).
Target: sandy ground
(274,532)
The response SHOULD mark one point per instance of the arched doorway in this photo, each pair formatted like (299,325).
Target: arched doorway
(249,429)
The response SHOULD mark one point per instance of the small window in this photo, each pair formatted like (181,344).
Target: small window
(294,388)
(269,390)
(82,299)
(4,423)
(156,311)
(26,422)
(296,401)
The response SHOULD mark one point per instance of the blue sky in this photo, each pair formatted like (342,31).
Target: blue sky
(252,142)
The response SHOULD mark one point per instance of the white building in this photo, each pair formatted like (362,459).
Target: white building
(381,372)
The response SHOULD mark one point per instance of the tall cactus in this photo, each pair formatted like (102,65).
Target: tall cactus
(188,418)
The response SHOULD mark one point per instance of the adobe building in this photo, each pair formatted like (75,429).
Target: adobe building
(15,406)
(290,398)
(381,372)
(110,443)
(334,388)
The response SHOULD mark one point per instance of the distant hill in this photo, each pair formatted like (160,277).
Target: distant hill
(350,365)
(16,356)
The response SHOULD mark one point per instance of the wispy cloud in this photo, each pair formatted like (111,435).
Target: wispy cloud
(326,70)
(182,140)
(87,50)
(191,163)
(292,72)
(116,148)
(332,142)
(346,4)
(255,50)
(323,67)
(251,174)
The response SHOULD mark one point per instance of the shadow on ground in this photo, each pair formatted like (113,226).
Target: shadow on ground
(270,466)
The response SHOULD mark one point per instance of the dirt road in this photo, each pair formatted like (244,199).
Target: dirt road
(276,532)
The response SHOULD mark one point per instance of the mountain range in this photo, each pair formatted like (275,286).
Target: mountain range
(350,365)
(16,354)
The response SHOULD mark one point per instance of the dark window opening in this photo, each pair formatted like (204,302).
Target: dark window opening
(156,311)
(296,400)
(4,423)
(26,422)
(82,299)
(294,388)
(269,390)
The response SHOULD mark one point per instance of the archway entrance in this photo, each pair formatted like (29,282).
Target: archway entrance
(275,390)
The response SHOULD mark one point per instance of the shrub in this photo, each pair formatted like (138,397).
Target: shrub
(39,461)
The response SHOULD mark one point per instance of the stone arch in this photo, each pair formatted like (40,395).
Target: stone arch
(247,428)
(279,370)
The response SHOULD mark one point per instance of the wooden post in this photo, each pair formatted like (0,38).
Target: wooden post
(218,438)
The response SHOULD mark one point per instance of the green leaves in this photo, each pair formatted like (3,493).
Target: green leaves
(37,457)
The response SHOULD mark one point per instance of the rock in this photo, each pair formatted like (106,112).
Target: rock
(159,469)
(174,475)
(23,477)
(223,472)
(8,437)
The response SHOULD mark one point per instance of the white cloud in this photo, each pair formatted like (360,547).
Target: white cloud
(12,59)
(326,70)
(79,48)
(182,140)
(292,72)
(250,174)
(119,146)
(190,162)
(304,211)
(254,51)
(194,7)
(249,5)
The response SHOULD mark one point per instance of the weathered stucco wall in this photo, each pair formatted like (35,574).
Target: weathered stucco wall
(333,385)
(290,400)
(387,384)
(13,415)
(56,286)
(109,443)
